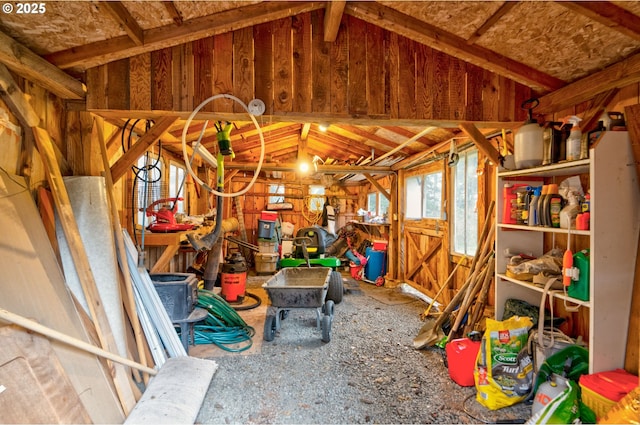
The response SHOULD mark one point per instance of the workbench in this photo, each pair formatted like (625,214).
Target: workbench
(171,242)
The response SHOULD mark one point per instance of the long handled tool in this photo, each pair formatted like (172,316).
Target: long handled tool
(59,336)
(442,287)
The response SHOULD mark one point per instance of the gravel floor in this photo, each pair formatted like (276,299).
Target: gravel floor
(368,373)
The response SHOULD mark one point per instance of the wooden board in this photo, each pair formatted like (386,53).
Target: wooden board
(33,286)
(33,385)
(301,26)
(175,395)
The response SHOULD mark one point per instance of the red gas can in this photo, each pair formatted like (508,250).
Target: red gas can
(461,356)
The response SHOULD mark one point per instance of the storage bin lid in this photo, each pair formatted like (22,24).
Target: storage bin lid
(613,384)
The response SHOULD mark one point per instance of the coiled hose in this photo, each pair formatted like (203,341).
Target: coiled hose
(223,326)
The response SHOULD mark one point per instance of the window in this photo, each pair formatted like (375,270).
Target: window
(316,200)
(377,204)
(465,199)
(278,191)
(148,186)
(176,184)
(424,196)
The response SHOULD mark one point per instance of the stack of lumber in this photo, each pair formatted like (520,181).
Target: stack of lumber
(107,335)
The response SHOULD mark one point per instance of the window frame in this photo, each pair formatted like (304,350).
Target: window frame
(471,232)
(421,174)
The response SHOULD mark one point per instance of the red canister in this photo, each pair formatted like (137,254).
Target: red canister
(461,357)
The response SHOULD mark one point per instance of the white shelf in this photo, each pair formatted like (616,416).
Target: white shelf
(543,229)
(614,229)
(553,293)
(559,169)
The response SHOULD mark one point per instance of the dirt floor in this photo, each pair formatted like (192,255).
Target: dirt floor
(368,373)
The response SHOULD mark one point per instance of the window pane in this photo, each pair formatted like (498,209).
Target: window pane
(465,199)
(277,189)
(371,203)
(414,197)
(384,205)
(432,207)
(176,176)
(471,229)
(316,203)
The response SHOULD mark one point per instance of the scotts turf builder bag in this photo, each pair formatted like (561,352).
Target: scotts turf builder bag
(503,373)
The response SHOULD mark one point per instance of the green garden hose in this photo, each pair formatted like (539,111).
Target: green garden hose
(223,326)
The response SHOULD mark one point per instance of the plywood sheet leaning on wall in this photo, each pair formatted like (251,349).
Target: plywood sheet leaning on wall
(32,285)
(35,388)
(91,210)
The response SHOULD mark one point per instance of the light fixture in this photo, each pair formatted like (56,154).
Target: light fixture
(323,127)
(303,166)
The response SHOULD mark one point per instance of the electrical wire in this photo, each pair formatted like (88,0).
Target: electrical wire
(223,326)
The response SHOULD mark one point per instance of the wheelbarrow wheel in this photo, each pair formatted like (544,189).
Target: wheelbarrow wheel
(326,328)
(328,308)
(336,287)
(269,328)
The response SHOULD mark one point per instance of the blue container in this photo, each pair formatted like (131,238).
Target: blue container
(266,229)
(376,264)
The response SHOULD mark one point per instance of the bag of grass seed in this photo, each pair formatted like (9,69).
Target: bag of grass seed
(503,373)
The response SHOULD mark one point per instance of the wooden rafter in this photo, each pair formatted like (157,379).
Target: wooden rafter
(124,163)
(101,52)
(619,75)
(121,15)
(377,185)
(304,133)
(481,142)
(16,100)
(502,10)
(451,44)
(608,14)
(332,19)
(34,68)
(173,12)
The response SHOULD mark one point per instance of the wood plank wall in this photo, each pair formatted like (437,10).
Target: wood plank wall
(367,71)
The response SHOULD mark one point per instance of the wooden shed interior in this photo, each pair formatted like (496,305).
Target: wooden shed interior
(376,96)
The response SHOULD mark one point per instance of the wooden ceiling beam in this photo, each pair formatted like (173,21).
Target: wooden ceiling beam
(332,18)
(502,10)
(608,14)
(372,139)
(121,15)
(16,100)
(451,44)
(32,67)
(322,168)
(101,52)
(377,185)
(481,142)
(173,11)
(304,132)
(140,147)
(615,76)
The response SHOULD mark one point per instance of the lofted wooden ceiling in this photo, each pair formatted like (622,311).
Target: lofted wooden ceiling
(565,52)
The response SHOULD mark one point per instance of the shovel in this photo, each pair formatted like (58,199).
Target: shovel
(431,332)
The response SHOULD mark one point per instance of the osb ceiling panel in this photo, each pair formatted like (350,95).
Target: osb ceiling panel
(64,25)
(462,18)
(559,42)
(194,9)
(149,14)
